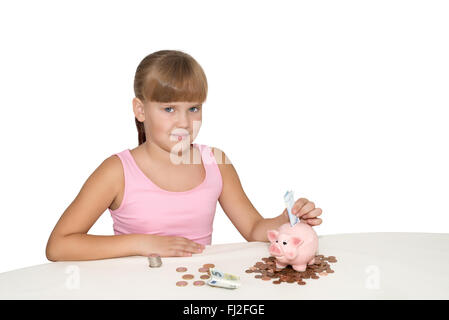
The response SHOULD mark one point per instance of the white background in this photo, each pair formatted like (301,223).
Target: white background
(344,102)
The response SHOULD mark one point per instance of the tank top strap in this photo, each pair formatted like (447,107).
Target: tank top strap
(130,171)
(213,171)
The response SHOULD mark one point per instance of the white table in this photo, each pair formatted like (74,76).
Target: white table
(370,266)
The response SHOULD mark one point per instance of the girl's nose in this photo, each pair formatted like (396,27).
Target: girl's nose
(183,120)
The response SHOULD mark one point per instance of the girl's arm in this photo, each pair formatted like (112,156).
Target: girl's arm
(69,239)
(239,209)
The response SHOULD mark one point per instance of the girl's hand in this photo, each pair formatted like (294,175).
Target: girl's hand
(306,211)
(168,246)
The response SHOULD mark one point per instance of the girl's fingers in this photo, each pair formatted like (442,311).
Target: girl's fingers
(309,206)
(312,214)
(299,204)
(314,222)
(189,246)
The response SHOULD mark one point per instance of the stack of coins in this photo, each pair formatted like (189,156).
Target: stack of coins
(155,260)
(268,270)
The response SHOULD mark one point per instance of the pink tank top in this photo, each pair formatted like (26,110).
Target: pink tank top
(148,209)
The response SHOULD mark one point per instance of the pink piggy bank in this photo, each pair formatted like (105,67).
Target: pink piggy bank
(295,246)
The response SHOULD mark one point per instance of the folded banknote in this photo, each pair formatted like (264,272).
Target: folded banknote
(289,202)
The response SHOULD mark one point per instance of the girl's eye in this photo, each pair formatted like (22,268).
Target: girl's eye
(276,241)
(190,109)
(284,243)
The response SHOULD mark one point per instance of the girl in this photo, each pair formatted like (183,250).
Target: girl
(162,195)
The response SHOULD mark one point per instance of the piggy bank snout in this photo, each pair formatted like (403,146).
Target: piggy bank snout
(275,250)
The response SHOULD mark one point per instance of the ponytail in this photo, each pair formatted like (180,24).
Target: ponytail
(140,131)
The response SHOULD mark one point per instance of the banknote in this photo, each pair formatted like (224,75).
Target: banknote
(223,280)
(289,201)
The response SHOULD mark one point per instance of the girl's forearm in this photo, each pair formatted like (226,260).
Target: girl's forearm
(261,227)
(92,247)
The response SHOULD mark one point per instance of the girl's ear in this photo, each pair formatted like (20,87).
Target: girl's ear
(139,110)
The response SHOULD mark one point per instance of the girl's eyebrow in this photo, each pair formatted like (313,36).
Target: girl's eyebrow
(173,105)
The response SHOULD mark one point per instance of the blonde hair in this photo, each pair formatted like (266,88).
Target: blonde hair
(168,76)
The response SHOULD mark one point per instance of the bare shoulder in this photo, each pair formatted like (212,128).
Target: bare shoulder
(112,168)
(108,176)
(220,157)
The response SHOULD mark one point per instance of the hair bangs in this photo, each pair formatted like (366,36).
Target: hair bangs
(176,81)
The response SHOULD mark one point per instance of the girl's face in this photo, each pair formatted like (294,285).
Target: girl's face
(171,125)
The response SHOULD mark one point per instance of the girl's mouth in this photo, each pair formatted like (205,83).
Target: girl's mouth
(180,137)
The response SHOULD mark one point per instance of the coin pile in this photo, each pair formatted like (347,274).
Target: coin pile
(197,283)
(268,270)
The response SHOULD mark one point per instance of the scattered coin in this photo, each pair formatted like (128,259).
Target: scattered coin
(203,269)
(276,282)
(181,269)
(204,276)
(209,265)
(188,276)
(198,283)
(181,283)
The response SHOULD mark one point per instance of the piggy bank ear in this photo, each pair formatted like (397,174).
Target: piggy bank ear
(272,235)
(296,241)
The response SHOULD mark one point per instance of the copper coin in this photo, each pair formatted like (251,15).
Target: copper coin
(181,283)
(301,283)
(198,283)
(181,269)
(188,276)
(249,271)
(323,273)
(329,271)
(204,276)
(315,277)
(276,282)
(266,278)
(203,269)
(209,265)
(258,276)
